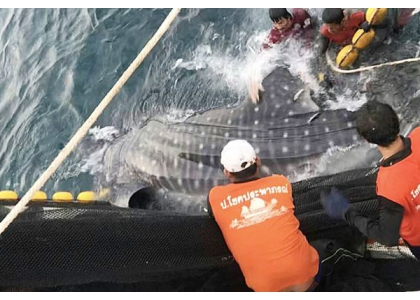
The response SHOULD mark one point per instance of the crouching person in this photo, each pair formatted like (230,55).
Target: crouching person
(256,217)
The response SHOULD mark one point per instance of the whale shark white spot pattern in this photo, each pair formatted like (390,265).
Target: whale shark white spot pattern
(190,150)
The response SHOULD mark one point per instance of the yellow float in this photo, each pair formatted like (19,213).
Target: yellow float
(361,39)
(84,197)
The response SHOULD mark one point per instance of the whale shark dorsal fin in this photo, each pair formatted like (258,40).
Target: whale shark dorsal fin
(282,88)
(304,97)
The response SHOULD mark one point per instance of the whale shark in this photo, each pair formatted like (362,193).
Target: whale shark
(289,132)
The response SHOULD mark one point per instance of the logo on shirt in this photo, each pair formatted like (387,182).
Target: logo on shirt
(415,192)
(230,201)
(257,212)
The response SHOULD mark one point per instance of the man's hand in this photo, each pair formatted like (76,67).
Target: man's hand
(254,91)
(325,81)
(335,203)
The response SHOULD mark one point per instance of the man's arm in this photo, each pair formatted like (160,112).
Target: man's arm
(319,64)
(322,45)
(385,228)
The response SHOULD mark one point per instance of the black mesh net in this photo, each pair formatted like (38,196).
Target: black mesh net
(121,249)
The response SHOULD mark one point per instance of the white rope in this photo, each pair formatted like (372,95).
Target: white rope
(89,122)
(362,69)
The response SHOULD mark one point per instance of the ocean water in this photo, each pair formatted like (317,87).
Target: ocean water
(58,64)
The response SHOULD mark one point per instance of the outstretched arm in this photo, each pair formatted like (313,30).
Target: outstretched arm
(385,228)
(322,45)
(319,65)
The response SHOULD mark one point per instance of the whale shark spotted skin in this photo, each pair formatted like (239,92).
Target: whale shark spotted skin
(287,134)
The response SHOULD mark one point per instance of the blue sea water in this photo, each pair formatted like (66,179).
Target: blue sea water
(58,64)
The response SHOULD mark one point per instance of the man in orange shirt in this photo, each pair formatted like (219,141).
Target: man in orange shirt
(397,183)
(256,217)
(339,27)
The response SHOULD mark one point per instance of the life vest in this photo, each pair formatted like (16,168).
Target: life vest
(361,39)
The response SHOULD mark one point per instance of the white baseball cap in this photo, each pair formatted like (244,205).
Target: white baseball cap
(237,155)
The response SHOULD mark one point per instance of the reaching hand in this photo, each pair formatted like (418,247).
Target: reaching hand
(325,81)
(254,91)
(335,203)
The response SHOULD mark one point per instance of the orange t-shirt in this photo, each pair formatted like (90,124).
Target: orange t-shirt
(401,184)
(259,226)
